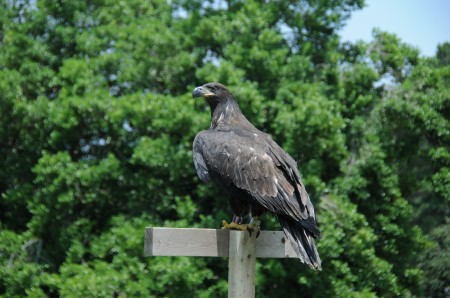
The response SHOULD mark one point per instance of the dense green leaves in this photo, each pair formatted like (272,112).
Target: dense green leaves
(97,124)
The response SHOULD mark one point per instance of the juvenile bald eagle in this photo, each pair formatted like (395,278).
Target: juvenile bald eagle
(257,174)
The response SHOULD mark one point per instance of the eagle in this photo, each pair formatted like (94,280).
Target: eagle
(255,172)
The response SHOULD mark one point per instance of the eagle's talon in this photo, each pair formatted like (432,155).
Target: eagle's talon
(232,226)
(253,228)
(224,224)
(239,227)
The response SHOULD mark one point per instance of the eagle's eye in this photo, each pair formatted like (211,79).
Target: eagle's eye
(213,88)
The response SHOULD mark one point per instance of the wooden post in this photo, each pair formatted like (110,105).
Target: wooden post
(241,265)
(241,249)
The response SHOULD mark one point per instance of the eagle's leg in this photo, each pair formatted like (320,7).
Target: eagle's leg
(237,219)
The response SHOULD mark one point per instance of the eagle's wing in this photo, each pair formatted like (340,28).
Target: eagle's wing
(199,162)
(259,166)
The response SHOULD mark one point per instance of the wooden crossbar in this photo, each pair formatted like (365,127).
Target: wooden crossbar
(210,243)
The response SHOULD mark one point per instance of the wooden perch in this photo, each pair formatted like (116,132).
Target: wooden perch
(241,248)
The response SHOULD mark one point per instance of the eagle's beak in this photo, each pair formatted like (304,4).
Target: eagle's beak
(201,91)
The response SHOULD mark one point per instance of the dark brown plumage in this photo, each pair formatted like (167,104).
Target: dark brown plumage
(257,174)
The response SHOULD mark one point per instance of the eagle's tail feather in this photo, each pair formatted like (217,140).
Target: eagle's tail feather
(302,242)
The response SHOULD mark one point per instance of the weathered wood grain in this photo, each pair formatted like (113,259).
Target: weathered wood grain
(210,243)
(241,265)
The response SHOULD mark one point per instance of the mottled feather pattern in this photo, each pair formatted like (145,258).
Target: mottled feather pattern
(257,172)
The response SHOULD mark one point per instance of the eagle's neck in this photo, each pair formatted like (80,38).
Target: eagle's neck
(227,112)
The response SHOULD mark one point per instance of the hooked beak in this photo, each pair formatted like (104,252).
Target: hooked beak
(201,91)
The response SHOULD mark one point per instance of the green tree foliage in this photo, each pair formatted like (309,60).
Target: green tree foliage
(435,262)
(97,124)
(443,54)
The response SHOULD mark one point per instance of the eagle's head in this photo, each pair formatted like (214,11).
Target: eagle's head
(224,108)
(214,93)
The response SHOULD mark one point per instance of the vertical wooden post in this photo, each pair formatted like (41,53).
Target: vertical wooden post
(241,265)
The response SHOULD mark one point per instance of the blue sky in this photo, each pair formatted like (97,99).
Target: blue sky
(421,23)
